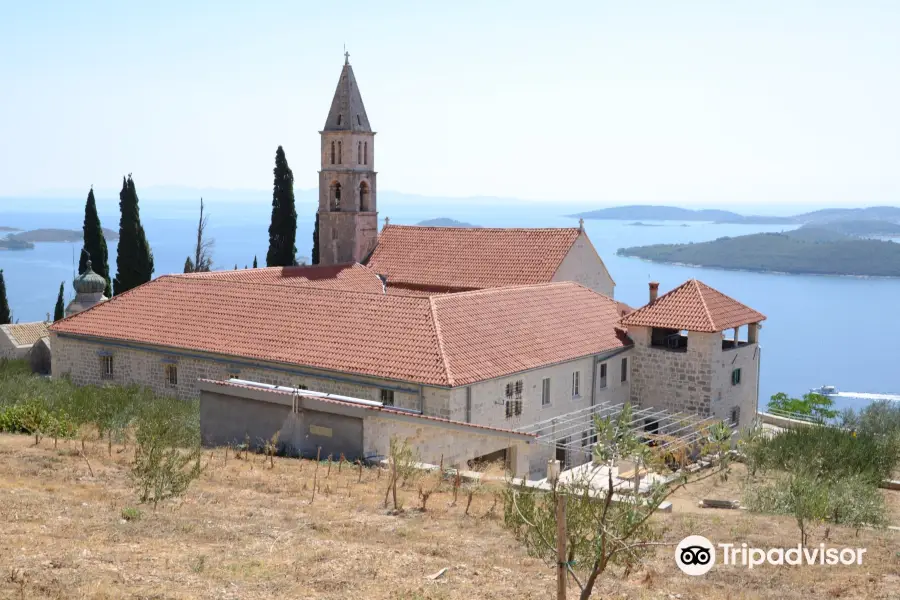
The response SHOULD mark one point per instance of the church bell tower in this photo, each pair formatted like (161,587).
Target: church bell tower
(348,215)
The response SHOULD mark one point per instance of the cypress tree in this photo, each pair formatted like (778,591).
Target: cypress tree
(283,229)
(60,310)
(134,260)
(5,315)
(95,244)
(315,250)
(188,265)
(254,262)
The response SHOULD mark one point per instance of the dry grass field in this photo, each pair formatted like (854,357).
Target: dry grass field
(245,530)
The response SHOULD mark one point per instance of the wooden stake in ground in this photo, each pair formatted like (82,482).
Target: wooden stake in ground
(316,473)
(561,566)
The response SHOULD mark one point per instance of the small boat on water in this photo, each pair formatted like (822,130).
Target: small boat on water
(825,390)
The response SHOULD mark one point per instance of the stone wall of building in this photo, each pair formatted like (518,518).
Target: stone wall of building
(743,396)
(676,381)
(583,265)
(82,361)
(486,400)
(435,442)
(697,381)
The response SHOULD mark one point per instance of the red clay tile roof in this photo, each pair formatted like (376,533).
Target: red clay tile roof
(694,306)
(25,334)
(442,340)
(466,258)
(352,277)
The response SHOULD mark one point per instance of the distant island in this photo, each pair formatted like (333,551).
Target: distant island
(807,250)
(54,235)
(673,213)
(444,222)
(7,244)
(860,216)
(641,224)
(2,228)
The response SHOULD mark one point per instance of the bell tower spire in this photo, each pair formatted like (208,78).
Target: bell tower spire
(348,216)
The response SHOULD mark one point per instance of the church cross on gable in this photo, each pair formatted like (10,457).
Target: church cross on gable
(348,214)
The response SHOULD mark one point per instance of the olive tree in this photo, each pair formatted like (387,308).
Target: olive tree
(608,521)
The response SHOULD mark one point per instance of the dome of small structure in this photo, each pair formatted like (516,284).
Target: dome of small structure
(89,282)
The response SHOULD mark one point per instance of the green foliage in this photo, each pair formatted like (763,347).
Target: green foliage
(601,532)
(167,456)
(403,461)
(816,406)
(808,251)
(188,265)
(59,311)
(129,513)
(833,452)
(5,315)
(254,262)
(813,499)
(134,261)
(879,418)
(166,429)
(95,248)
(315,247)
(283,228)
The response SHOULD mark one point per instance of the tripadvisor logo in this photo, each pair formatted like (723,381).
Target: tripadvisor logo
(696,555)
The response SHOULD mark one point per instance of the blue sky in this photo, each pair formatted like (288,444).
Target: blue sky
(613,102)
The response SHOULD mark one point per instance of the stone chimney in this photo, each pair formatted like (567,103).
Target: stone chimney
(654,290)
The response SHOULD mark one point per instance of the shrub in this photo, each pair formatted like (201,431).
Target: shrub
(831,451)
(167,453)
(129,513)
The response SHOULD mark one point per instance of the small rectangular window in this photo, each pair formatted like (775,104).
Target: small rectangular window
(624,370)
(468,405)
(171,375)
(736,416)
(106,363)
(513,408)
(300,386)
(518,389)
(603,375)
(576,384)
(387,397)
(509,391)
(736,377)
(545,391)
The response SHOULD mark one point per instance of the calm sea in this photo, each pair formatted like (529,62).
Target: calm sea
(817,332)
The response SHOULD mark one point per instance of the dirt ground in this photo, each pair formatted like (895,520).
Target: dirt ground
(245,530)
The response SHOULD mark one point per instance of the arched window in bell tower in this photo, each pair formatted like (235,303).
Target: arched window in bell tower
(366,154)
(340,154)
(335,197)
(364,197)
(359,153)
(332,152)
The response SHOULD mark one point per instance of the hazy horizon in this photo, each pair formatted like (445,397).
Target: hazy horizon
(601,104)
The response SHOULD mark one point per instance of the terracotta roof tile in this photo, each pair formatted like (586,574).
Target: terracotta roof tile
(465,258)
(352,276)
(441,340)
(694,306)
(496,332)
(26,334)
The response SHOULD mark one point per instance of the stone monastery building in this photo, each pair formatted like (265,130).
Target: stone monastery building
(457,338)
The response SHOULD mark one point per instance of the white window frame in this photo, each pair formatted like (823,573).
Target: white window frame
(603,375)
(625,366)
(545,391)
(106,366)
(387,397)
(576,384)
